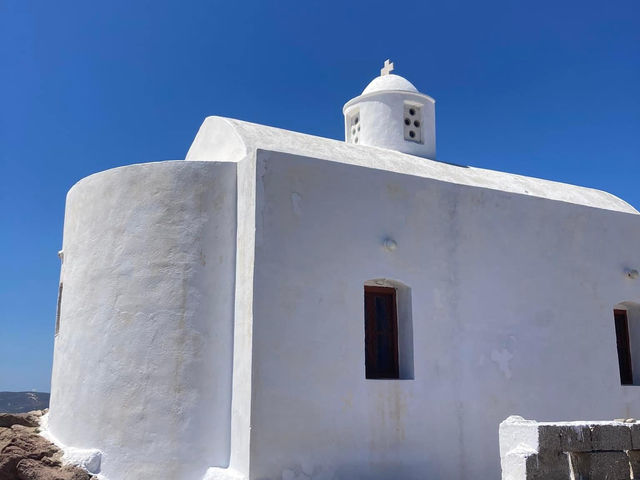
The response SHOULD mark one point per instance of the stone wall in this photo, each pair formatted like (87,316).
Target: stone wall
(569,450)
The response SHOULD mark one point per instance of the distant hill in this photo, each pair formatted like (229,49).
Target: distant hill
(20,402)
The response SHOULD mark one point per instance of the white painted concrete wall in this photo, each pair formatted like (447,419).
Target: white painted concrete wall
(143,359)
(512,297)
(175,354)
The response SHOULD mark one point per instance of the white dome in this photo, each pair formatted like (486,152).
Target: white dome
(389,82)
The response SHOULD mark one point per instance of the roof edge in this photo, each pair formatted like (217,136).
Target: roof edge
(217,140)
(228,140)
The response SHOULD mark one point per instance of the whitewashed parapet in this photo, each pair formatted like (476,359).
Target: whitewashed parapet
(531,450)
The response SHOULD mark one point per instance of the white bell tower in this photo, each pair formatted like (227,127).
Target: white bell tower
(391,113)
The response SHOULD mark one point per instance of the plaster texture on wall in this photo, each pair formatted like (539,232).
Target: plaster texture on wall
(512,300)
(143,358)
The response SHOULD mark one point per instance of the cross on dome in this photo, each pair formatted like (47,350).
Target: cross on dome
(387,69)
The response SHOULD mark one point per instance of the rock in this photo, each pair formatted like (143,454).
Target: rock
(25,419)
(5,437)
(576,438)
(25,455)
(634,462)
(8,464)
(30,445)
(610,437)
(601,465)
(33,470)
(635,436)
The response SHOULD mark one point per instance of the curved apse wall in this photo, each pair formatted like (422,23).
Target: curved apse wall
(143,357)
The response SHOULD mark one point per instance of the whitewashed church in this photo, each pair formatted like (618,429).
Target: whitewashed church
(280,306)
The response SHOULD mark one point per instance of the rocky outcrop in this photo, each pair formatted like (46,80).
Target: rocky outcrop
(25,455)
(31,419)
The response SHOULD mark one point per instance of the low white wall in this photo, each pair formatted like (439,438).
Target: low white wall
(512,311)
(143,357)
(569,450)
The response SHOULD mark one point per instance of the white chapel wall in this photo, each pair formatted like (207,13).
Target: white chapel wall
(143,357)
(512,300)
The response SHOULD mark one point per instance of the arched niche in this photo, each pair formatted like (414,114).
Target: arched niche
(404,324)
(627,324)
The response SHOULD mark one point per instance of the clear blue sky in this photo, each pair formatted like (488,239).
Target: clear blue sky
(548,89)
